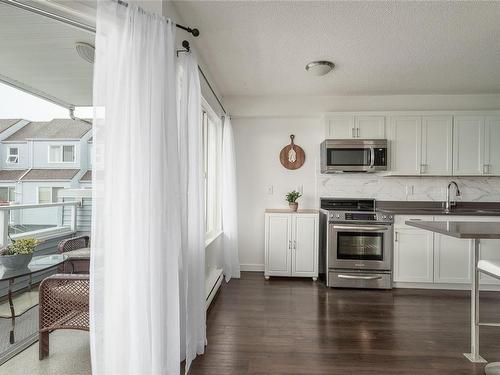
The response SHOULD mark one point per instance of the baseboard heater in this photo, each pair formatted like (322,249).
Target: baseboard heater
(212,284)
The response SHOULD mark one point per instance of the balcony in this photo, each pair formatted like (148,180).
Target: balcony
(49,223)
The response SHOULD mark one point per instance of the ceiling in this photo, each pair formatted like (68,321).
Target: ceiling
(262,47)
(38,54)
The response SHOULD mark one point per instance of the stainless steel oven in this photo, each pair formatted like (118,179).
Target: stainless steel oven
(361,246)
(353,155)
(358,245)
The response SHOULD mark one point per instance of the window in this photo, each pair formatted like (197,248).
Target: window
(7,194)
(48,194)
(212,146)
(12,155)
(61,154)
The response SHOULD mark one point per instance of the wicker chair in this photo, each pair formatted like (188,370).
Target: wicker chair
(75,265)
(64,304)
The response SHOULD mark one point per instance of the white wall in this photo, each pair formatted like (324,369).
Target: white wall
(258,144)
(259,139)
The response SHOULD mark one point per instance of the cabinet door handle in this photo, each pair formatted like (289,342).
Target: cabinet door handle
(290,244)
(357,132)
(352,133)
(395,236)
(295,244)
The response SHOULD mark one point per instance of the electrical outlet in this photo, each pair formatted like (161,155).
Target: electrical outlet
(270,190)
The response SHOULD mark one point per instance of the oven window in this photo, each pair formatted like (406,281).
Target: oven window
(360,246)
(348,156)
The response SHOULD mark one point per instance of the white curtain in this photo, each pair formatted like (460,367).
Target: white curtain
(231,261)
(136,226)
(192,262)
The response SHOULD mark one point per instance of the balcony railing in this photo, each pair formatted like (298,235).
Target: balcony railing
(42,221)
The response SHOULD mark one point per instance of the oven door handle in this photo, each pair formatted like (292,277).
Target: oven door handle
(353,277)
(371,228)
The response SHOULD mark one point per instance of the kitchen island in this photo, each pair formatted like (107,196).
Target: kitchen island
(474,231)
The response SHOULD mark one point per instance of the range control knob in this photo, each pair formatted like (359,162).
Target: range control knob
(384,217)
(338,216)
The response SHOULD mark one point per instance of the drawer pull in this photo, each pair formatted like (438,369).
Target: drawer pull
(353,277)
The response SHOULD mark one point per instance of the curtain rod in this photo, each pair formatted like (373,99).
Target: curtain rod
(194,32)
(187,49)
(69,21)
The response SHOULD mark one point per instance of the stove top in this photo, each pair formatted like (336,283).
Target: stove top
(347,204)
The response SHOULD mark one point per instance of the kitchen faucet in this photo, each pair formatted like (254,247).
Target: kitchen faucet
(450,204)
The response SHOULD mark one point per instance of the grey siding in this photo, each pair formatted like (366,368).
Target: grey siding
(83,215)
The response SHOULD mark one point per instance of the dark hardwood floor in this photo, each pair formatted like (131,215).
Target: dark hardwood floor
(297,326)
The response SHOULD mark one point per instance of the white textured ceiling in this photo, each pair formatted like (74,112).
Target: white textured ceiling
(261,47)
(39,53)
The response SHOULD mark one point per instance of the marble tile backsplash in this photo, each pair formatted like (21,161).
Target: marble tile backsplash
(381,187)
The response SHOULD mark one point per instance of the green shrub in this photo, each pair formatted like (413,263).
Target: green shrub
(293,196)
(22,246)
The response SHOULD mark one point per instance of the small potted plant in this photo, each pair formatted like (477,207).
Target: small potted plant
(18,254)
(292,200)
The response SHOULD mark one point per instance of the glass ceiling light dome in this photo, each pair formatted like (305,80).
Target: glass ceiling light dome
(85,51)
(320,68)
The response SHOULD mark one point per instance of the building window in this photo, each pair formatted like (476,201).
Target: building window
(48,194)
(12,155)
(7,194)
(212,146)
(61,154)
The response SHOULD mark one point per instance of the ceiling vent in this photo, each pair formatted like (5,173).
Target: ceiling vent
(85,51)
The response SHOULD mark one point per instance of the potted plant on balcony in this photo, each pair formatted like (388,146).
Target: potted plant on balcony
(292,200)
(18,254)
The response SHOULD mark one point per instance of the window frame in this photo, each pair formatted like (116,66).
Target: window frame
(61,153)
(212,170)
(10,189)
(10,155)
(51,193)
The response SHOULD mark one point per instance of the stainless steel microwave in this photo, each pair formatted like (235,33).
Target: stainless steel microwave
(353,155)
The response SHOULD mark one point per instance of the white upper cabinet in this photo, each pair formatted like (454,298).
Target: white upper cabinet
(437,151)
(370,127)
(427,143)
(405,143)
(340,127)
(491,161)
(468,145)
(351,126)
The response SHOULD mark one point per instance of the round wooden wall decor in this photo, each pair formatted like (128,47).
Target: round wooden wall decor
(292,156)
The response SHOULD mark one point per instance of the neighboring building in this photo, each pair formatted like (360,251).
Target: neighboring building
(39,159)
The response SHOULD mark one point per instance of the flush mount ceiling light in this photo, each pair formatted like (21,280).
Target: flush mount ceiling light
(85,51)
(320,68)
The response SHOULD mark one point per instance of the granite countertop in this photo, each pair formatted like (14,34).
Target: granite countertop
(437,208)
(460,229)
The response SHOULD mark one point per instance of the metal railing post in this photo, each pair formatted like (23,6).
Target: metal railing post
(4,227)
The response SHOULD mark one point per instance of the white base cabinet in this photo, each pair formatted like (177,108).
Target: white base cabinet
(291,244)
(426,259)
(412,256)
